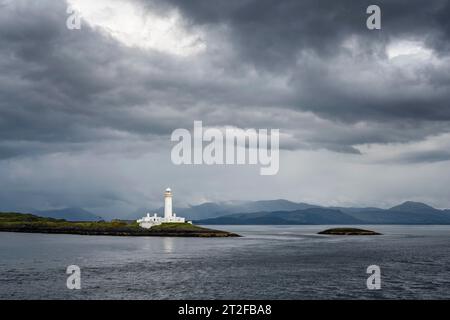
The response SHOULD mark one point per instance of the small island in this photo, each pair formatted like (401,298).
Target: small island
(349,232)
(28,223)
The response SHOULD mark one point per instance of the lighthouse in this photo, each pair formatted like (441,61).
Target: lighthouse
(169,216)
(168,205)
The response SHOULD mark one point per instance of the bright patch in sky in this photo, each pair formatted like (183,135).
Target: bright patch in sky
(408,48)
(133,26)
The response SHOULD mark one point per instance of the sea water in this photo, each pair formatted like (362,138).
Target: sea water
(268,262)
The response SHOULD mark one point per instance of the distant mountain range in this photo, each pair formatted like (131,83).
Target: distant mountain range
(406,213)
(282,212)
(69,214)
(305,216)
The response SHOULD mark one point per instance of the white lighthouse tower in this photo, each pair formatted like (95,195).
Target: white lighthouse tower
(168,205)
(169,216)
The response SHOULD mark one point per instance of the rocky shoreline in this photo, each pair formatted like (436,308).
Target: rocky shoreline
(206,233)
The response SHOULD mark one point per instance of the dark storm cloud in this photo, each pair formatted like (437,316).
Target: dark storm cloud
(274,31)
(57,84)
(65,90)
(303,39)
(83,87)
(61,90)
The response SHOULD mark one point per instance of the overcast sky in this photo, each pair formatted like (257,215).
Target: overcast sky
(86,115)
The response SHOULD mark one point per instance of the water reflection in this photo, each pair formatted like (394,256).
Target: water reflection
(168,244)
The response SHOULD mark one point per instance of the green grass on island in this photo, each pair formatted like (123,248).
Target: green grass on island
(349,232)
(28,223)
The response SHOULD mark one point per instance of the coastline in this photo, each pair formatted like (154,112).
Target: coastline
(28,223)
(207,233)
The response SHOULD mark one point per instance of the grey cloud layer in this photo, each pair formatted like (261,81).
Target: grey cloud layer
(60,86)
(303,39)
(309,68)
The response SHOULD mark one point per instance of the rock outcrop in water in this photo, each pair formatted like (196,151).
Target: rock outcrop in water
(349,232)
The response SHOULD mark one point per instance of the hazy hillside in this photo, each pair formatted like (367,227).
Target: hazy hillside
(406,213)
(305,216)
(417,207)
(69,214)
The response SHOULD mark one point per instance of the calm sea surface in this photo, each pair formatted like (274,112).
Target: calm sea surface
(269,262)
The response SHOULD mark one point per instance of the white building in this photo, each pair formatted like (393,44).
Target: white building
(150,221)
